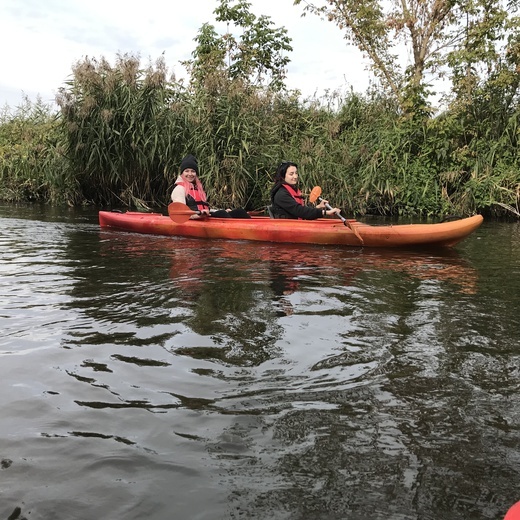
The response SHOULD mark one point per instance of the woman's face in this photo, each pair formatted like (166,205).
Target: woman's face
(189,175)
(291,175)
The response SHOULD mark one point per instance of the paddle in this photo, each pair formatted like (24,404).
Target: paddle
(315,195)
(180,213)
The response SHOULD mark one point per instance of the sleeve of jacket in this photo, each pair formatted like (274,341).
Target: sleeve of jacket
(283,199)
(179,194)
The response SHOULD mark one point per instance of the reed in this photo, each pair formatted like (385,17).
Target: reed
(122,130)
(32,163)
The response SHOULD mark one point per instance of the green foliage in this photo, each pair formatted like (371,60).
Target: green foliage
(458,39)
(366,156)
(115,119)
(260,55)
(123,129)
(32,166)
(229,126)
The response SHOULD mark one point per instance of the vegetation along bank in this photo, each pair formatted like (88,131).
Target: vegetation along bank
(118,131)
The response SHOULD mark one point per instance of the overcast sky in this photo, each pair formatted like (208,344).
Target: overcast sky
(41,40)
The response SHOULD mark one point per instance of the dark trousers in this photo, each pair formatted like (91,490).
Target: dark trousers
(234,213)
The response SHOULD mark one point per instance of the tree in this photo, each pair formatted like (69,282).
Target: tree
(258,57)
(438,35)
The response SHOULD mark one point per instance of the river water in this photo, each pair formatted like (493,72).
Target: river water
(169,378)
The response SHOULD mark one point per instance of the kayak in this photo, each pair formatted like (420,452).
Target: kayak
(326,231)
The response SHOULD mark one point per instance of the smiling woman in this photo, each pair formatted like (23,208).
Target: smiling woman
(287,199)
(189,190)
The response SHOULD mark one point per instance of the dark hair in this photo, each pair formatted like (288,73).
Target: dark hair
(279,178)
(282,170)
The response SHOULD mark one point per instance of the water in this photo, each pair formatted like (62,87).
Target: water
(163,378)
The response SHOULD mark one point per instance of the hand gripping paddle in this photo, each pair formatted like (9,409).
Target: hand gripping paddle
(315,195)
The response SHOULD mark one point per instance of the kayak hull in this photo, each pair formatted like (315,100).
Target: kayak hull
(321,231)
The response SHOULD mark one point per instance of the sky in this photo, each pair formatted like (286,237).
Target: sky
(42,40)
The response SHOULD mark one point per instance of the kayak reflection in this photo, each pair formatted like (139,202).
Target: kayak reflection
(194,263)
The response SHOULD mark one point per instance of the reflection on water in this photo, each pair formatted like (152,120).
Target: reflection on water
(151,377)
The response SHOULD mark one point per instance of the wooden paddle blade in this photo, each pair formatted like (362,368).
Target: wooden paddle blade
(353,228)
(179,212)
(315,194)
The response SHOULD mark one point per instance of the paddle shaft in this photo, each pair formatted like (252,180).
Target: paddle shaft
(345,221)
(342,218)
(181,213)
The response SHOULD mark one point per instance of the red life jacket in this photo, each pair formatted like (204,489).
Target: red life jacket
(295,194)
(194,195)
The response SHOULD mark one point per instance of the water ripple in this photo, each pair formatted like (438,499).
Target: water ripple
(220,379)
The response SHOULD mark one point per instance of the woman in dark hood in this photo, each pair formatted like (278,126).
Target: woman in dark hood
(189,190)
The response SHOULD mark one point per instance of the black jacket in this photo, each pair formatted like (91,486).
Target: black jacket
(284,206)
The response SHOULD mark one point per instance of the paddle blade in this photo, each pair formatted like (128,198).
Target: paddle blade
(315,194)
(353,228)
(179,212)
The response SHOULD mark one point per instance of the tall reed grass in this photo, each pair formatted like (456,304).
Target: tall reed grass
(122,130)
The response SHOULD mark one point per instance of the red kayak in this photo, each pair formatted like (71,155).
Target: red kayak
(325,231)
